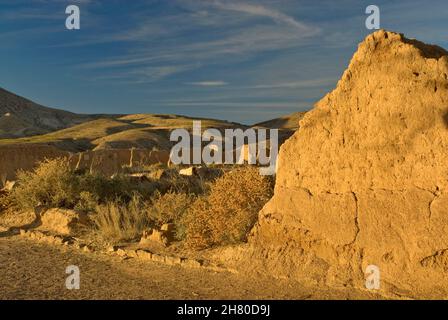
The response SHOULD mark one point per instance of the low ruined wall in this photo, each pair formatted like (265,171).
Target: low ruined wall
(107,162)
(111,161)
(25,157)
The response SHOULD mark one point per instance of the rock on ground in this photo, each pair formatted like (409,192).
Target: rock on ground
(62,221)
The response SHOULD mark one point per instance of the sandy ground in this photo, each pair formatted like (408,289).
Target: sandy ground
(30,270)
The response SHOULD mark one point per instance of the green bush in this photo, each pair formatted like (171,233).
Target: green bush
(52,183)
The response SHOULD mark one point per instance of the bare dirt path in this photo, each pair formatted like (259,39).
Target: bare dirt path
(30,270)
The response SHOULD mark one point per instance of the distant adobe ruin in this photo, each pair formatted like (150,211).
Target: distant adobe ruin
(16,157)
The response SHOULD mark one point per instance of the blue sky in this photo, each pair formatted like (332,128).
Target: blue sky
(243,61)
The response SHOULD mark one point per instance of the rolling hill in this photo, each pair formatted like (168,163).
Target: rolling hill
(287,122)
(142,131)
(21,117)
(25,122)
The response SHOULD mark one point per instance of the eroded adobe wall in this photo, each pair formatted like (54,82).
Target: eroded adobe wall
(25,157)
(365,178)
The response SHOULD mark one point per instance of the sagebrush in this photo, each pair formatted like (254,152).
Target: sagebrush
(170,208)
(229,211)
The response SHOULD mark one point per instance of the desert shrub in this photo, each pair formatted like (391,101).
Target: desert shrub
(196,225)
(5,202)
(116,221)
(228,212)
(169,208)
(120,220)
(155,170)
(3,180)
(54,184)
(87,201)
(105,189)
(172,181)
(168,179)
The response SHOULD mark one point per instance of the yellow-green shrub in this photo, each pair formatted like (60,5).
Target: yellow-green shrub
(230,210)
(169,208)
(52,183)
(5,202)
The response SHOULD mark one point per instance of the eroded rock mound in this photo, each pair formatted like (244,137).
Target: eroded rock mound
(364,181)
(63,221)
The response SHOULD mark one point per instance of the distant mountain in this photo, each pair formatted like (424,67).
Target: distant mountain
(142,131)
(20,117)
(23,121)
(287,122)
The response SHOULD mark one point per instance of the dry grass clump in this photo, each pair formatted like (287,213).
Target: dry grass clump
(229,211)
(117,221)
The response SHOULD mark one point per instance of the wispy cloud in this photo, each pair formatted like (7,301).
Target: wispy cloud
(262,11)
(208,83)
(145,75)
(227,30)
(63,1)
(237,104)
(30,14)
(239,45)
(295,84)
(155,73)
